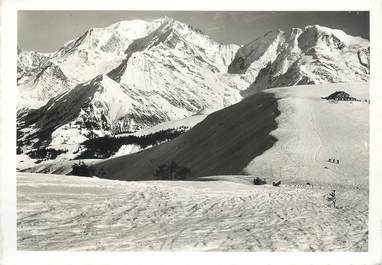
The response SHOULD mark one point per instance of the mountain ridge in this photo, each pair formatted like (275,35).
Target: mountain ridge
(166,70)
(312,55)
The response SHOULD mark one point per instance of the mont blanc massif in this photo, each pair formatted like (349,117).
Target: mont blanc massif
(263,146)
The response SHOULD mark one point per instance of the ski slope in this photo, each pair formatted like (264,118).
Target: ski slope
(56,212)
(311,130)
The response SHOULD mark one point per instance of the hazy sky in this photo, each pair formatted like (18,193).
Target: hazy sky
(47,31)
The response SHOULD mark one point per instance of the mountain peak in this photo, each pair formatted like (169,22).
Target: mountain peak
(314,54)
(295,31)
(170,32)
(255,50)
(164,19)
(316,35)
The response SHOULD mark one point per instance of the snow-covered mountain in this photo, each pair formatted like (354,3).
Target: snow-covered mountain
(96,52)
(137,74)
(175,72)
(88,110)
(312,55)
(171,73)
(29,64)
(100,50)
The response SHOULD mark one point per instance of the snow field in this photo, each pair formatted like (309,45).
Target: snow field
(71,213)
(311,130)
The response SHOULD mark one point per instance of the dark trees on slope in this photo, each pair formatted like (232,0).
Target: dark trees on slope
(104,147)
(171,171)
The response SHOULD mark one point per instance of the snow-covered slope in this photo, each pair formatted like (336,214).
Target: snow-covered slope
(289,128)
(59,167)
(312,55)
(312,130)
(49,82)
(90,109)
(56,212)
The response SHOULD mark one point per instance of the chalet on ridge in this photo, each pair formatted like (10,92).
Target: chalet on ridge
(340,96)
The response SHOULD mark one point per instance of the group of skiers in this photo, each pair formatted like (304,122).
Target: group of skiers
(333,160)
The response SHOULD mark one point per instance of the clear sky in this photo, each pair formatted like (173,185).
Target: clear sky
(47,31)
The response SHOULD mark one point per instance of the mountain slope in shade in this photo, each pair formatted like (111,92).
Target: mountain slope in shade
(312,55)
(223,143)
(267,131)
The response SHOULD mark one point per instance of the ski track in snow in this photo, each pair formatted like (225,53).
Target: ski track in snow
(72,213)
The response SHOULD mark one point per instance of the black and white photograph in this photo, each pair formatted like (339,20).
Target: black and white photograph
(191,130)
(177,131)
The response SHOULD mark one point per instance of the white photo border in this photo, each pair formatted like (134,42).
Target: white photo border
(8,93)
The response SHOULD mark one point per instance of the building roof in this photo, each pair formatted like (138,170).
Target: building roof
(338,94)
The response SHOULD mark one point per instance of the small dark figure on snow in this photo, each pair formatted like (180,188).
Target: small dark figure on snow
(259,181)
(276,184)
(309,185)
(332,198)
